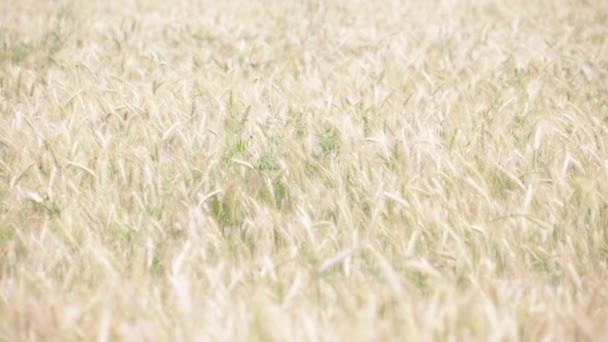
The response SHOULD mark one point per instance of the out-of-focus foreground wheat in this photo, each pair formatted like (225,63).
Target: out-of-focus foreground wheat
(303,170)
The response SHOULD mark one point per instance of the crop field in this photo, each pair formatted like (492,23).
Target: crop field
(303,170)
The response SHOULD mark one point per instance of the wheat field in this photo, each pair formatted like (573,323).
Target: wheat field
(303,170)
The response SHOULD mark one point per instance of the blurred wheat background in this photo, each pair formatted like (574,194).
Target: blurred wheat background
(303,170)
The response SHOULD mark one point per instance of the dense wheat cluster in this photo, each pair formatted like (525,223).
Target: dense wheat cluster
(303,170)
